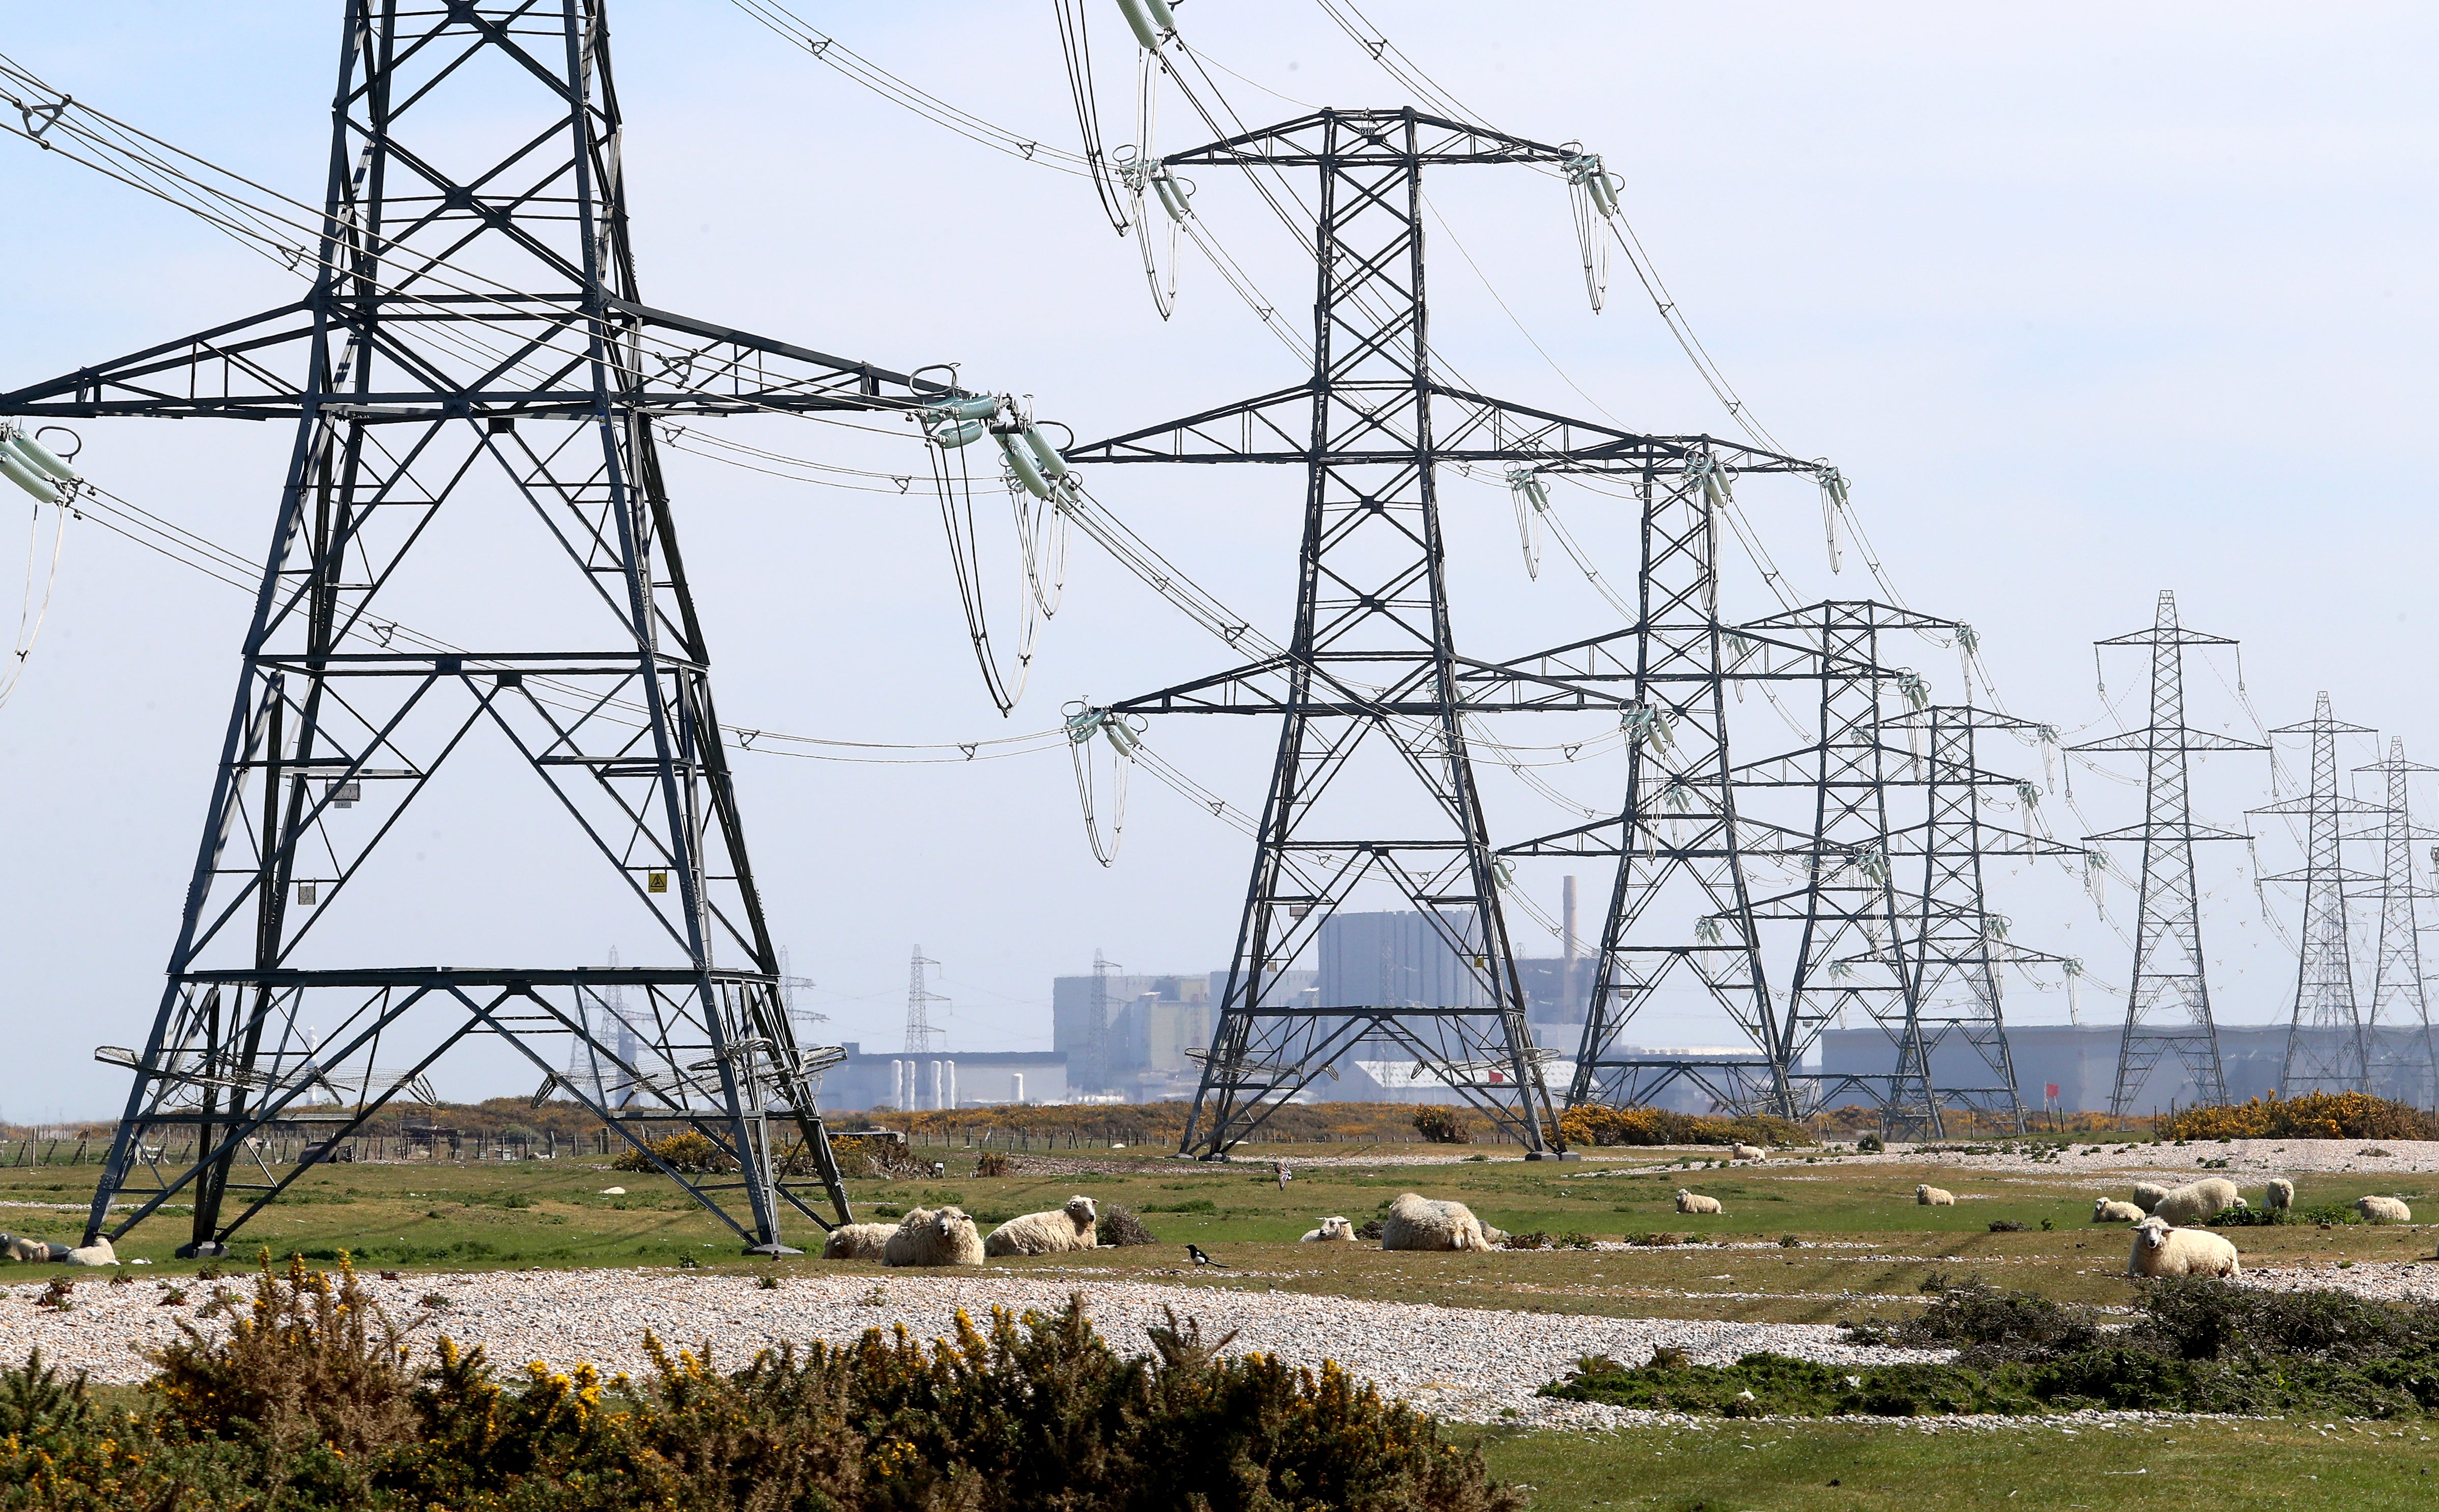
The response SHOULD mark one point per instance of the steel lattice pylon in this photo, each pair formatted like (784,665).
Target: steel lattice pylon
(1372,666)
(2168,970)
(472,357)
(2328,1046)
(2397,995)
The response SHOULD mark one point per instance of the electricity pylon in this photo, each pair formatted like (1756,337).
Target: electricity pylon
(1371,691)
(475,438)
(1957,944)
(2168,972)
(919,998)
(2397,995)
(2328,1048)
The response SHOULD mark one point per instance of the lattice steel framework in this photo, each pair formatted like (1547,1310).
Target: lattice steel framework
(1958,945)
(473,360)
(2328,1045)
(2397,995)
(1372,658)
(2168,971)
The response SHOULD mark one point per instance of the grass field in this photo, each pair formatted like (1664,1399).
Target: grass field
(1862,1247)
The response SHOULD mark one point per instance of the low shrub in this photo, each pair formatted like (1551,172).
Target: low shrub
(1535,1241)
(982,1421)
(994,1162)
(687,1153)
(1871,1145)
(1119,1226)
(2313,1116)
(1601,1126)
(1442,1126)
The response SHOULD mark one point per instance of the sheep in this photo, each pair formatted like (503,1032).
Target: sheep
(1332,1231)
(2383,1210)
(1747,1152)
(2281,1196)
(858,1241)
(30,1251)
(1415,1222)
(98,1253)
(1053,1232)
(1935,1197)
(926,1237)
(2161,1250)
(2105,1210)
(2195,1201)
(1695,1202)
(2148,1195)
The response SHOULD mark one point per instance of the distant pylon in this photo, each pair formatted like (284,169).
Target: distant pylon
(2168,971)
(2327,1049)
(1093,1074)
(919,998)
(2396,993)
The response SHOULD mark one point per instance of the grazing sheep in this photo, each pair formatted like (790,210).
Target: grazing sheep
(2383,1210)
(1053,1232)
(2105,1210)
(1747,1152)
(1695,1202)
(2195,1201)
(1935,1197)
(98,1253)
(1416,1222)
(2281,1196)
(1332,1231)
(2161,1250)
(926,1237)
(858,1241)
(2148,1195)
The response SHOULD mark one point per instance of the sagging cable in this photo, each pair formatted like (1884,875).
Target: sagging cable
(1124,737)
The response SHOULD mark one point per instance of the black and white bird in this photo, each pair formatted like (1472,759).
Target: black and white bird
(1194,1252)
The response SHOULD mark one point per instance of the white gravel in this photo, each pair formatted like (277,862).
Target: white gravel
(2385,1280)
(2132,1162)
(1469,1365)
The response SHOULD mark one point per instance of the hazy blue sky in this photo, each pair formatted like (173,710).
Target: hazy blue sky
(2087,300)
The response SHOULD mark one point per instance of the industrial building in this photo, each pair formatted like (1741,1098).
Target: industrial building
(943,1079)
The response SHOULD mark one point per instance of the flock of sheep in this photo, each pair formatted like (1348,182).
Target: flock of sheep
(2167,1241)
(945,1236)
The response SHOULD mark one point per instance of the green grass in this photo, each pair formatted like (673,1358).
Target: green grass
(2250,1467)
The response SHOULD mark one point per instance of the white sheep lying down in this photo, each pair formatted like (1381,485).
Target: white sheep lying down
(1695,1202)
(1332,1231)
(2196,1202)
(1416,1222)
(1747,1152)
(2160,1250)
(858,1241)
(2148,1195)
(2383,1210)
(30,1251)
(2281,1196)
(1070,1227)
(1935,1197)
(2106,1211)
(927,1238)
(98,1253)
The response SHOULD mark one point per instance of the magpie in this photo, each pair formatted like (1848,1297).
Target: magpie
(1194,1252)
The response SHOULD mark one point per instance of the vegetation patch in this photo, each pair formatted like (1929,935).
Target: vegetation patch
(2313,1116)
(1599,1126)
(2200,1346)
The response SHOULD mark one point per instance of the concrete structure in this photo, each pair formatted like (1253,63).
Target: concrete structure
(969,1080)
(2082,1062)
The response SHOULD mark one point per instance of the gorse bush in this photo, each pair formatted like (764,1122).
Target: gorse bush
(311,1405)
(1599,1126)
(2313,1116)
(1443,1126)
(687,1153)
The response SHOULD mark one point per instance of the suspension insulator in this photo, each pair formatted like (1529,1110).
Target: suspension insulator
(1139,21)
(23,473)
(1162,15)
(959,433)
(974,407)
(1174,193)
(1053,465)
(1020,461)
(43,457)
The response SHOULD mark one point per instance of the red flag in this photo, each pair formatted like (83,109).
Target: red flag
(2053,1087)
